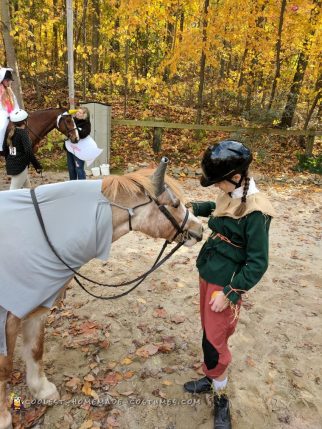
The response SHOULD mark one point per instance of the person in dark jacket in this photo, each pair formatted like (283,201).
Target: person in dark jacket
(75,165)
(18,152)
(232,261)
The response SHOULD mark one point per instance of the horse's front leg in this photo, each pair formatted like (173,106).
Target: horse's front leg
(33,344)
(12,327)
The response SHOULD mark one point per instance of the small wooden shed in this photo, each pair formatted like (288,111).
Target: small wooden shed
(100,116)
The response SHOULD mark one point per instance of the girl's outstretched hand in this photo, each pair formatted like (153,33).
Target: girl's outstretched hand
(218,302)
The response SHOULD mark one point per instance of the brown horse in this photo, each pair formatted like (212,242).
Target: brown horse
(41,122)
(145,201)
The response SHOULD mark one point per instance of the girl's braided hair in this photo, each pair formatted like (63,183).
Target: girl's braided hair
(12,131)
(240,210)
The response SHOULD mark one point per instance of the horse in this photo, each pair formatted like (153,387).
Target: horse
(41,122)
(147,200)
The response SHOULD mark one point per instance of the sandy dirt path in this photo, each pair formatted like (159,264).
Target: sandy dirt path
(135,353)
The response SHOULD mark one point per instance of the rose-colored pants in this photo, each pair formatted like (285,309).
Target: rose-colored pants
(217,328)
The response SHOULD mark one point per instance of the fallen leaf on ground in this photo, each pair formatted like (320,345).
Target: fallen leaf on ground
(33,415)
(87,388)
(250,361)
(160,312)
(111,422)
(89,377)
(158,392)
(112,378)
(178,319)
(128,393)
(73,383)
(166,346)
(128,374)
(147,350)
(87,424)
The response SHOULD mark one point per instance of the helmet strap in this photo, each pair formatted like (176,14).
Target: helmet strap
(237,184)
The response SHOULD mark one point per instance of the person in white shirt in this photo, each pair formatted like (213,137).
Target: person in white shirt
(8,101)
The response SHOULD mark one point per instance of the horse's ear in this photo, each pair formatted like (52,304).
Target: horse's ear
(158,176)
(63,105)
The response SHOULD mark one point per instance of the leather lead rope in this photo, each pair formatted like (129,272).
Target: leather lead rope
(139,279)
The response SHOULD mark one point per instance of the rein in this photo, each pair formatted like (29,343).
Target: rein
(179,232)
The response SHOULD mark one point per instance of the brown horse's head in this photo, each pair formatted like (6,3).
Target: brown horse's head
(67,126)
(42,122)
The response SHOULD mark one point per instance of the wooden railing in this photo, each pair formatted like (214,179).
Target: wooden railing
(161,124)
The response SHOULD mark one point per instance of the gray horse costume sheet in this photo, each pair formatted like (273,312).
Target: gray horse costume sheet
(78,220)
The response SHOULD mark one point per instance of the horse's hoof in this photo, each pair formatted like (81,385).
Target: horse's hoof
(6,420)
(48,392)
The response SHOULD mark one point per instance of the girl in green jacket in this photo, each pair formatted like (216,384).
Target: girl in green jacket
(232,261)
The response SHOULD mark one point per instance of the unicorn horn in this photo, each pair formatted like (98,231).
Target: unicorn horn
(158,176)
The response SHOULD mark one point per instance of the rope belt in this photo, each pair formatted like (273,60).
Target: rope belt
(223,238)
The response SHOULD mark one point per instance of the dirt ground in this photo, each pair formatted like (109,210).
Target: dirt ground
(122,363)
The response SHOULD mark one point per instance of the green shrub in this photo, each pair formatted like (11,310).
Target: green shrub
(313,164)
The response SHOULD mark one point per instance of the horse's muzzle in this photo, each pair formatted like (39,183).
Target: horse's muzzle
(196,236)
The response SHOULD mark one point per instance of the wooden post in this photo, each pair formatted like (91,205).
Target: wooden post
(309,146)
(70,53)
(157,139)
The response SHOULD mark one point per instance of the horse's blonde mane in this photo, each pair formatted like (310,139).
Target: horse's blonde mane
(134,183)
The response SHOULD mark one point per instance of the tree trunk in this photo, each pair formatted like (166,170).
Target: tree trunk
(316,101)
(254,77)
(54,51)
(181,25)
(308,142)
(169,43)
(10,50)
(95,35)
(80,33)
(293,96)
(115,44)
(126,81)
(202,64)
(84,64)
(278,53)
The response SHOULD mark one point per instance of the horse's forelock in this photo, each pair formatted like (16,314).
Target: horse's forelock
(134,183)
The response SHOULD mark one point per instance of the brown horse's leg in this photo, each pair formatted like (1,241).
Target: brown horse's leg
(12,326)
(33,344)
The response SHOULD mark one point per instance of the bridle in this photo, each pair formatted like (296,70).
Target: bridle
(63,118)
(180,236)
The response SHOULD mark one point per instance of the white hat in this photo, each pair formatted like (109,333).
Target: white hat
(3,71)
(18,115)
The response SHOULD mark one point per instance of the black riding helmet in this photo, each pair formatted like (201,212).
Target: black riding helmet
(223,160)
(8,75)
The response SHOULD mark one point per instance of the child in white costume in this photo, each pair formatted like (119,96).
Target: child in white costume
(86,149)
(8,101)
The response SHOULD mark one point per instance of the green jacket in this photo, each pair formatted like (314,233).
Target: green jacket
(222,263)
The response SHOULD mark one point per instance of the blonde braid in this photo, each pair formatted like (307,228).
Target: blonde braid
(10,135)
(240,210)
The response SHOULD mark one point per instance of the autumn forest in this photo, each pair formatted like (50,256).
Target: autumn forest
(259,60)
